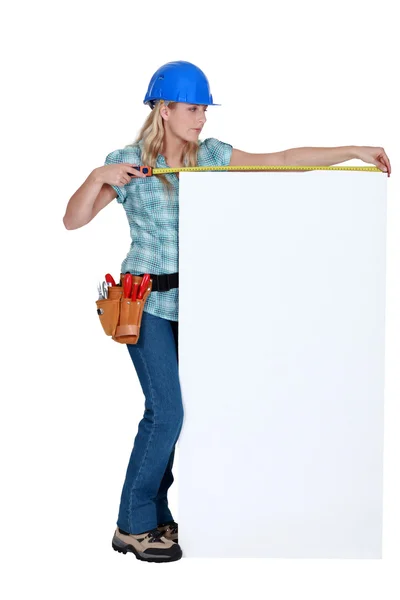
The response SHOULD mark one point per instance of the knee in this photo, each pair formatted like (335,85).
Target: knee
(178,416)
(171,420)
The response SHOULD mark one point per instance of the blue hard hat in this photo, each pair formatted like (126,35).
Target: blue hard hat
(179,81)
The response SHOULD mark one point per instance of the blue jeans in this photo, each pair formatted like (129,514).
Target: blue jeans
(144,503)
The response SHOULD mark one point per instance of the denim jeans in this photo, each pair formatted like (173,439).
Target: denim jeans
(144,503)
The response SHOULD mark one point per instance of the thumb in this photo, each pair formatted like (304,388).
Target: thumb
(381,165)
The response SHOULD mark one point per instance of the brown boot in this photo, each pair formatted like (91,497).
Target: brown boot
(150,546)
(169,530)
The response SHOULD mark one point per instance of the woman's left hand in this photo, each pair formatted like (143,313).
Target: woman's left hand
(375,156)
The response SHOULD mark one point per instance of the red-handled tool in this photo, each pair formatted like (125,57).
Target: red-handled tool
(143,285)
(110,279)
(127,285)
(135,291)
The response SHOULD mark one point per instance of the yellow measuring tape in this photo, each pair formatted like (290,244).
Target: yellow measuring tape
(262,168)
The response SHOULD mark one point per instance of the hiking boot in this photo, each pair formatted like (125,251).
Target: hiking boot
(169,530)
(150,546)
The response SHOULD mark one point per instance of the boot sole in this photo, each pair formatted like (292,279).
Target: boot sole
(120,546)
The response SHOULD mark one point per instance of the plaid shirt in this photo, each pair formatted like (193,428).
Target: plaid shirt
(153,220)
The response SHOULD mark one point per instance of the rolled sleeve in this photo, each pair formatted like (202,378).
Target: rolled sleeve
(117,156)
(219,152)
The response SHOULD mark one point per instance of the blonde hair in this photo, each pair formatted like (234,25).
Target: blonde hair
(152,134)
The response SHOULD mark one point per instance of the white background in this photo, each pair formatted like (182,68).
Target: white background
(75,74)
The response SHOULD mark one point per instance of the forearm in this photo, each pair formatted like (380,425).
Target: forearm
(80,206)
(319,156)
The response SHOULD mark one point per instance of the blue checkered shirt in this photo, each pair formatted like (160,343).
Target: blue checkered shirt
(153,220)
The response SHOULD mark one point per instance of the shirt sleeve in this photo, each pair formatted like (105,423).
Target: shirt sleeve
(219,152)
(117,156)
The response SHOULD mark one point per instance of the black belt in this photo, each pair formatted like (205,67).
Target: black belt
(164,283)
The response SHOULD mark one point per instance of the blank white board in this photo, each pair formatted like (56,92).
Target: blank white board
(281,357)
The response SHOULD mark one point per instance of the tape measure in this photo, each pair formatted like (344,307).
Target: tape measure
(150,171)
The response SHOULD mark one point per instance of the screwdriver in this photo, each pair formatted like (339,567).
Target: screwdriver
(127,285)
(135,291)
(143,285)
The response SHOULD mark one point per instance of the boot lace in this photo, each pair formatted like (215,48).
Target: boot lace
(173,528)
(155,535)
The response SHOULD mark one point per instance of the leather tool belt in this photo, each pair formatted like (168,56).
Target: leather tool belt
(121,316)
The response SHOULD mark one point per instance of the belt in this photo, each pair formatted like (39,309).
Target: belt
(164,282)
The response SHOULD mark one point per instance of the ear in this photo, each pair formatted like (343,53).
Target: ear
(164,112)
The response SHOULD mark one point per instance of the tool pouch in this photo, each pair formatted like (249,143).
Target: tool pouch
(121,317)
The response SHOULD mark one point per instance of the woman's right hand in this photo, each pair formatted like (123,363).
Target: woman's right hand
(117,174)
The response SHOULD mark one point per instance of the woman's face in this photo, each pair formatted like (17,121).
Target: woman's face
(185,120)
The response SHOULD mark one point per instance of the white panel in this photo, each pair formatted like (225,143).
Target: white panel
(281,342)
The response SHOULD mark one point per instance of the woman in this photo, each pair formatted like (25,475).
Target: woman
(178,94)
